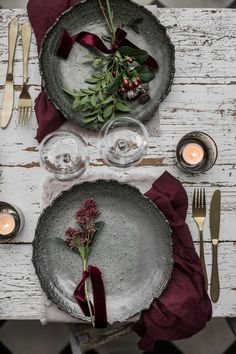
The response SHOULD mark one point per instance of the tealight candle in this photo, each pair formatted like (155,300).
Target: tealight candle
(7,224)
(196,152)
(193,153)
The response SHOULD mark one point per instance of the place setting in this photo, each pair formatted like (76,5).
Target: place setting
(105,252)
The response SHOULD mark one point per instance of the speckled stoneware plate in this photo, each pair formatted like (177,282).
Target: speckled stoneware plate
(71,73)
(133,250)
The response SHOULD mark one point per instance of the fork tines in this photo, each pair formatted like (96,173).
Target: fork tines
(199,199)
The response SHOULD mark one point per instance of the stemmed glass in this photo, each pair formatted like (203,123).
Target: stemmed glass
(64,154)
(123,142)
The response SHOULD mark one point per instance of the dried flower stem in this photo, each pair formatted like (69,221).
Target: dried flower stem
(108,19)
(87,295)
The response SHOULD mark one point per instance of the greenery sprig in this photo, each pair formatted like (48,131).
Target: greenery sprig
(119,77)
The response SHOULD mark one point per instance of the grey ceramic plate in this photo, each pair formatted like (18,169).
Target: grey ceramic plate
(133,250)
(71,73)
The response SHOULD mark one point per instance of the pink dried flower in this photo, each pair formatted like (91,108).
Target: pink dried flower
(84,217)
(89,203)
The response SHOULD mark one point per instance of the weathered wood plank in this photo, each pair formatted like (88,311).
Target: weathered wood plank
(20,293)
(195,107)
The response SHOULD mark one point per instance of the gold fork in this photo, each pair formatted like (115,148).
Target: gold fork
(25,101)
(199,215)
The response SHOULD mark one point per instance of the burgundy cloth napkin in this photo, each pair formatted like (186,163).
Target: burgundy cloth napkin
(184,307)
(42,15)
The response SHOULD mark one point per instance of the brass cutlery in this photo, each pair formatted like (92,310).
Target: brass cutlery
(199,215)
(215,228)
(8,95)
(25,101)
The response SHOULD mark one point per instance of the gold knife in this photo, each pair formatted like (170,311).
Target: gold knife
(215,229)
(8,95)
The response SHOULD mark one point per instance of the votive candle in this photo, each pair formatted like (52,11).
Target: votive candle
(193,153)
(7,224)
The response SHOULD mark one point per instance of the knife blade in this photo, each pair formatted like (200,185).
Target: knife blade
(215,231)
(8,95)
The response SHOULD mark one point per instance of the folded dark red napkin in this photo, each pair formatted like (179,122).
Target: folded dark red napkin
(42,15)
(184,307)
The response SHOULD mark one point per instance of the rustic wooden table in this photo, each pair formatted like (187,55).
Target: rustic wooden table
(203,97)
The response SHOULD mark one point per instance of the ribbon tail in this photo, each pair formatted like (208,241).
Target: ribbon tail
(80,296)
(66,42)
(99,297)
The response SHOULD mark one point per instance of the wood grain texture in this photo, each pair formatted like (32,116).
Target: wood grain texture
(203,97)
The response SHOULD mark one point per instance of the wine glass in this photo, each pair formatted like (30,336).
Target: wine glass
(123,142)
(64,154)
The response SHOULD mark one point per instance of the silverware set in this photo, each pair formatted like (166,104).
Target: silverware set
(25,101)
(199,215)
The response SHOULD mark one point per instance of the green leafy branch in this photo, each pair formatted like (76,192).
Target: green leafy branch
(96,101)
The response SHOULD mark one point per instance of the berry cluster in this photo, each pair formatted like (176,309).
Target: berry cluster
(130,84)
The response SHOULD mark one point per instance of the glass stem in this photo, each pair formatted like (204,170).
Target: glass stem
(87,295)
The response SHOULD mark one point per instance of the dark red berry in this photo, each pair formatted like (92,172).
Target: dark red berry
(125,82)
(130,85)
(138,78)
(113,73)
(123,90)
(130,60)
(136,83)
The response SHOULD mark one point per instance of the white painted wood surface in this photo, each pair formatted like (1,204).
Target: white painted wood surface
(203,97)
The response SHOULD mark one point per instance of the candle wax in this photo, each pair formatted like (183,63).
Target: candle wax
(193,153)
(7,224)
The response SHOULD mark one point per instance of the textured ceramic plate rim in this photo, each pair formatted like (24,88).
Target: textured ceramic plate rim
(155,106)
(63,303)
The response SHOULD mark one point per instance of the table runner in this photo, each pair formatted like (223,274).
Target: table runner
(184,307)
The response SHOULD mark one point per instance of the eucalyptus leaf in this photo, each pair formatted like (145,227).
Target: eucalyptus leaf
(122,107)
(87,91)
(139,54)
(103,83)
(76,104)
(107,111)
(100,96)
(145,73)
(93,100)
(97,62)
(84,100)
(98,86)
(113,87)
(108,100)
(92,114)
(89,120)
(100,119)
(91,80)
(70,92)
(86,107)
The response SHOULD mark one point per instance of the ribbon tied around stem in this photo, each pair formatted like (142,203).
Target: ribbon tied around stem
(99,298)
(66,43)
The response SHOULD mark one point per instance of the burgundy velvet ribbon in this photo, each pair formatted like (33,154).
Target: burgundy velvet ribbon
(66,42)
(99,298)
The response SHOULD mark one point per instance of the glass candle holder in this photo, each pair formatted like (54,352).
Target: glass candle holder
(11,222)
(196,152)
